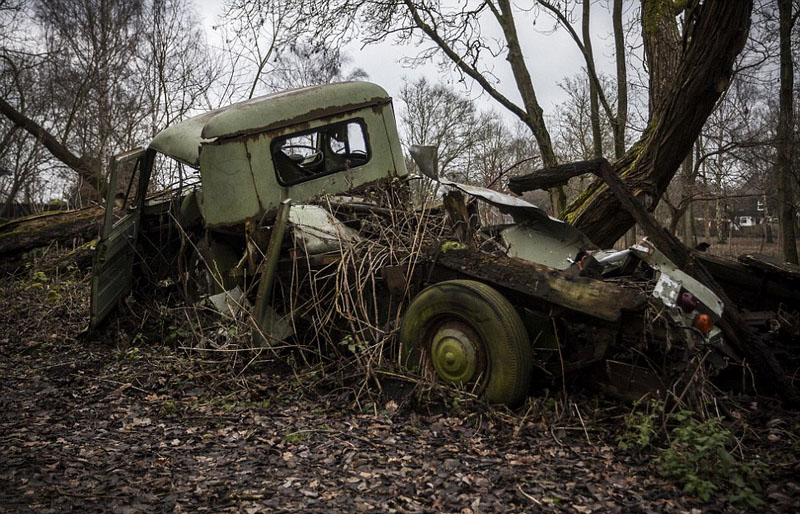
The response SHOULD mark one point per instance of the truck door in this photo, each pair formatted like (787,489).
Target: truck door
(112,275)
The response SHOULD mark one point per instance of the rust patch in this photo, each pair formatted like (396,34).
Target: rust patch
(331,113)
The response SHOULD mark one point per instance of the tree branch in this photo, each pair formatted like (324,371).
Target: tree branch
(553,176)
(59,151)
(471,71)
(586,56)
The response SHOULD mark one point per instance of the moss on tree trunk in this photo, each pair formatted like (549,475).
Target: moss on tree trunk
(714,35)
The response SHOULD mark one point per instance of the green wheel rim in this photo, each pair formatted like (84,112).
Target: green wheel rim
(455,352)
(468,334)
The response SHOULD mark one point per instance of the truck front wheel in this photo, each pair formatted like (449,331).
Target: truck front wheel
(470,335)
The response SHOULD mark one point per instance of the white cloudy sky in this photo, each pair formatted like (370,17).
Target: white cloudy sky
(550,56)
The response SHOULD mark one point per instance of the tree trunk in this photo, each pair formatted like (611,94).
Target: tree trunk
(525,85)
(687,187)
(674,214)
(689,232)
(594,103)
(715,35)
(690,237)
(767,235)
(785,149)
(16,185)
(662,45)
(719,208)
(621,122)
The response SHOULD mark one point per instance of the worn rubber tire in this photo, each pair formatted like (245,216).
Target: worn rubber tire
(503,352)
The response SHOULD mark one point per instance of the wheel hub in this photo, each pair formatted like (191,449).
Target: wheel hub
(454,352)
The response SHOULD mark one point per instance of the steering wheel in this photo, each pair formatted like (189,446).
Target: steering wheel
(312,160)
(307,147)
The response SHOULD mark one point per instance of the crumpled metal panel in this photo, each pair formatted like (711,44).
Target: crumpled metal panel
(666,287)
(537,236)
(513,205)
(544,245)
(318,231)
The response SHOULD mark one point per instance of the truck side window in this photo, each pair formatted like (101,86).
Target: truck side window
(127,195)
(322,151)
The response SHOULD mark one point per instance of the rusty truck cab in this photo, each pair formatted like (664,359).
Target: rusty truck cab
(254,156)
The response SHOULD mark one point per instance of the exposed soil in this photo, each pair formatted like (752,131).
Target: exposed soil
(125,420)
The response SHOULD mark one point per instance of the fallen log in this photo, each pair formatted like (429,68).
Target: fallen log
(751,285)
(773,267)
(25,234)
(603,300)
(554,176)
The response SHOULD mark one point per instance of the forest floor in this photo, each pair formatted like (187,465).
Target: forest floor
(125,419)
(736,246)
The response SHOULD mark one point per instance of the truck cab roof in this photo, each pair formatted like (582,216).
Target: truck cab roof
(182,141)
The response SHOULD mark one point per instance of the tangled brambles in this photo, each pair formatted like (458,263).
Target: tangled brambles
(334,316)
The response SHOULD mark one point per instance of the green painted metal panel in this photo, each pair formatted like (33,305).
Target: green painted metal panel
(292,107)
(229,195)
(112,276)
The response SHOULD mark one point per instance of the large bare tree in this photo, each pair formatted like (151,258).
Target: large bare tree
(689,71)
(787,211)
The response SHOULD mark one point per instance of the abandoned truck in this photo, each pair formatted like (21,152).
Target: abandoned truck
(287,180)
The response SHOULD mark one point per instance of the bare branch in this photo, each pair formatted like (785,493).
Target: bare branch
(468,69)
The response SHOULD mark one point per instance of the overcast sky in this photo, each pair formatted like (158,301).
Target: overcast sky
(550,56)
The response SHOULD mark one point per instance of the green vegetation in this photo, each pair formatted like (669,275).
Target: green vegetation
(640,427)
(699,458)
(698,454)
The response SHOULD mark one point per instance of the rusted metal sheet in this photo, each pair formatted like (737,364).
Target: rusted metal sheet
(604,300)
(263,312)
(317,231)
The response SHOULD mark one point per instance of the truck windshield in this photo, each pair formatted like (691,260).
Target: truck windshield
(313,153)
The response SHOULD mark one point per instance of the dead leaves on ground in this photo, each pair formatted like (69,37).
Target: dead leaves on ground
(103,425)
